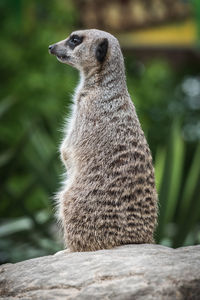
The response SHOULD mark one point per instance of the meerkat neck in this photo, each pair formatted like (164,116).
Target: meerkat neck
(104,78)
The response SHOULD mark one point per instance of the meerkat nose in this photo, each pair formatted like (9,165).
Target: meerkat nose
(51,48)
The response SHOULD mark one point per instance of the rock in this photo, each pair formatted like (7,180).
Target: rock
(127,272)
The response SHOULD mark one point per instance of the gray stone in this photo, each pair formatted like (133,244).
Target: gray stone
(140,272)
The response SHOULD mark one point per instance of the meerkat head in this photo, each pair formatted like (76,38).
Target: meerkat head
(87,49)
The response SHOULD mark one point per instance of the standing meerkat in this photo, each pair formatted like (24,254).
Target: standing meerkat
(109,197)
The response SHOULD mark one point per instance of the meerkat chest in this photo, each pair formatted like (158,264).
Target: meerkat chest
(67,145)
(74,133)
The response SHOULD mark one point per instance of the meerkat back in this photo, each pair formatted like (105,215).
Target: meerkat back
(109,196)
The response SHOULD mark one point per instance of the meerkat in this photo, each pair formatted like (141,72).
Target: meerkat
(109,196)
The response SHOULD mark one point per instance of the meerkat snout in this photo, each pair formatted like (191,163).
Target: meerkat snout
(60,52)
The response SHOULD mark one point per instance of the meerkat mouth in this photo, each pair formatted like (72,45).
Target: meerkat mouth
(62,57)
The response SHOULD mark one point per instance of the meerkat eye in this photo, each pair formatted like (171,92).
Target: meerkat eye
(74,41)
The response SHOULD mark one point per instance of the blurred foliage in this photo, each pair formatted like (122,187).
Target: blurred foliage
(34,99)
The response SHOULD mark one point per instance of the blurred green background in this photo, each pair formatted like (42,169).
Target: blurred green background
(163,77)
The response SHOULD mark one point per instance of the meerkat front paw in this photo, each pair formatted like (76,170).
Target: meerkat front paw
(62,252)
(63,154)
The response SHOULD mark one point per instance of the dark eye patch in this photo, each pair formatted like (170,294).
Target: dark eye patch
(74,41)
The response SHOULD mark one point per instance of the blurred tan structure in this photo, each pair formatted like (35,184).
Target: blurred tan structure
(159,26)
(123,15)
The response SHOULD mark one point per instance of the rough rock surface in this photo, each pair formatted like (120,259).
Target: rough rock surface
(127,272)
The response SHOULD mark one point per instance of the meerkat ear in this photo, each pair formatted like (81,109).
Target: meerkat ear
(101,50)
